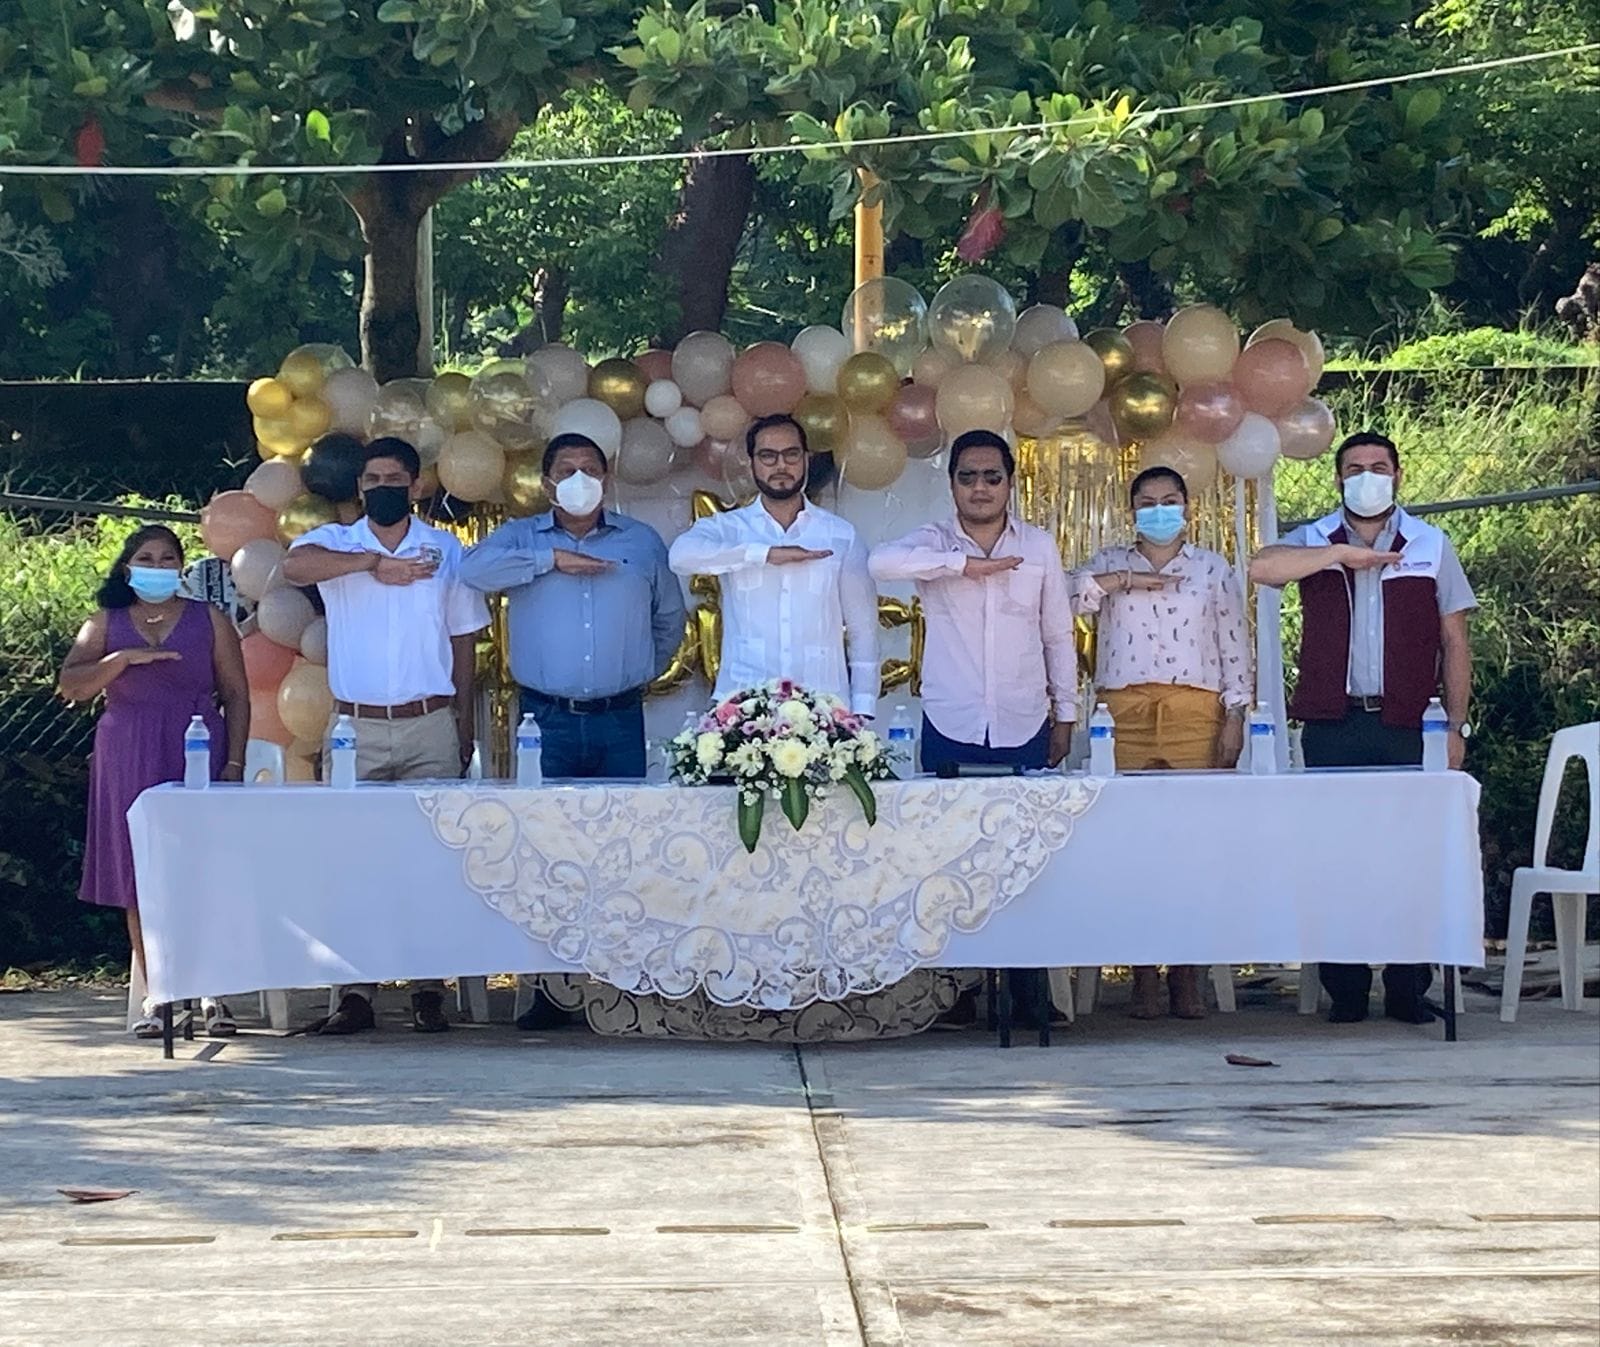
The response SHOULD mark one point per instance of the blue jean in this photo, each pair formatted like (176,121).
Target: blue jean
(588,744)
(937,750)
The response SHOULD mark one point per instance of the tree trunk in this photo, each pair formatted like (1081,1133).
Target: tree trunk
(1061,254)
(1149,292)
(548,292)
(702,240)
(391,325)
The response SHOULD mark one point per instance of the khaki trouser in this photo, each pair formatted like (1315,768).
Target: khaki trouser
(420,749)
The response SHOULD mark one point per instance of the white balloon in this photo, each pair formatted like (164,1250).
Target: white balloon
(684,428)
(702,366)
(821,350)
(563,369)
(1039,326)
(591,417)
(662,398)
(1252,449)
(351,394)
(314,641)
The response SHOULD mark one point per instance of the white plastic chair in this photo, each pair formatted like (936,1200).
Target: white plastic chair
(1221,984)
(263,763)
(1567,888)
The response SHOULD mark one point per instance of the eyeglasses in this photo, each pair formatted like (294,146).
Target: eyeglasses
(770,458)
(989,477)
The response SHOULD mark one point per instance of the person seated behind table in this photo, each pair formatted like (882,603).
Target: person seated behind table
(160,659)
(1172,664)
(1384,606)
(401,632)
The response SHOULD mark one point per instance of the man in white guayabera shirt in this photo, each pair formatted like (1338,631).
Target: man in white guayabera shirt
(797,601)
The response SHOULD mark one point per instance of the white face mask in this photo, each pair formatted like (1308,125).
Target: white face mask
(579,494)
(1368,494)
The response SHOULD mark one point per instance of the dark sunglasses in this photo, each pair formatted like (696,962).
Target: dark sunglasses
(990,476)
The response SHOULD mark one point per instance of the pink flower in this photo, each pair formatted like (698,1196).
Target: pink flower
(984,231)
(726,714)
(785,688)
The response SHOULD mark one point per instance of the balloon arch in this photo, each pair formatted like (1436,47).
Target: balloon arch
(880,396)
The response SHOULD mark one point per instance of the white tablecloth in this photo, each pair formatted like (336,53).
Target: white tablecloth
(300,886)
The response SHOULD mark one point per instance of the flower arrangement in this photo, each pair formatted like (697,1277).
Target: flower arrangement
(782,741)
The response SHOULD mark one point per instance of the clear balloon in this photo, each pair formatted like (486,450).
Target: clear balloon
(724,418)
(873,456)
(889,317)
(1041,326)
(702,367)
(913,416)
(1281,329)
(1066,378)
(973,397)
(305,702)
(820,351)
(1272,377)
(647,454)
(620,385)
(471,466)
(1193,460)
(504,405)
(1200,345)
(867,382)
(350,395)
(252,566)
(233,518)
(1209,412)
(1252,449)
(1146,338)
(564,371)
(972,317)
(768,379)
(1306,430)
(302,374)
(662,398)
(826,421)
(401,405)
(282,616)
(314,641)
(590,417)
(275,483)
(448,401)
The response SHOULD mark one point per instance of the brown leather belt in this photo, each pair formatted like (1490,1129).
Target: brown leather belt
(405,711)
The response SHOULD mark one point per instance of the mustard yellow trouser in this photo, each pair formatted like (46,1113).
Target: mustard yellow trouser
(1161,725)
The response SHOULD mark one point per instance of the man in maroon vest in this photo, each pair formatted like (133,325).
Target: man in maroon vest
(1385,605)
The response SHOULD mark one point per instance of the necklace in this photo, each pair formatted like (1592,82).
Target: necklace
(160,617)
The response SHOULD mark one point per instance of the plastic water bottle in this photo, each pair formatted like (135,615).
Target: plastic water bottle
(1102,742)
(1435,737)
(196,754)
(1263,742)
(903,738)
(530,752)
(342,754)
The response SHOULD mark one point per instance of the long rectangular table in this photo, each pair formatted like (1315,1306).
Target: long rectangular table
(303,886)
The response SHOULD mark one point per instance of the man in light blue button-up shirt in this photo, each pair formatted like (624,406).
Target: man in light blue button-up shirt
(594,615)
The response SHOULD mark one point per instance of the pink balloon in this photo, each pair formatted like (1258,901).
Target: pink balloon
(654,365)
(1209,412)
(768,379)
(1306,430)
(1145,337)
(265,662)
(234,518)
(912,418)
(1272,377)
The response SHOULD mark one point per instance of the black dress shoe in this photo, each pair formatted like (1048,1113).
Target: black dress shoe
(1352,1012)
(543,1014)
(1408,1011)
(353,1016)
(427,1013)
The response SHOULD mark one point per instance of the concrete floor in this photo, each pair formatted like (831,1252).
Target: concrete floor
(488,1186)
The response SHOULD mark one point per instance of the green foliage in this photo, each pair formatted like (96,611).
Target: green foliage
(1481,347)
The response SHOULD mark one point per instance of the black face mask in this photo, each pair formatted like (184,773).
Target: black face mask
(387,505)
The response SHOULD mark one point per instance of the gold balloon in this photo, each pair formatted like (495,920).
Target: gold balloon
(906,673)
(825,420)
(277,439)
(446,399)
(269,399)
(620,385)
(1143,405)
(867,382)
(523,485)
(303,514)
(1115,352)
(308,418)
(302,373)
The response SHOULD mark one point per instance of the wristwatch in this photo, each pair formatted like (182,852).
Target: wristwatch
(1464,729)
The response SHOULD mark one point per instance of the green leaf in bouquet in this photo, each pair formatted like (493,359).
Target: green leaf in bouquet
(751,806)
(862,790)
(796,803)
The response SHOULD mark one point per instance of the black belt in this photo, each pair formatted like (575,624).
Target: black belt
(593,706)
(1373,704)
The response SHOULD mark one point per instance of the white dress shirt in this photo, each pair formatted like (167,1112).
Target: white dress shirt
(790,621)
(390,644)
(1000,653)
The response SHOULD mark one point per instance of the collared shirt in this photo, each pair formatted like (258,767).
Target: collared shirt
(1189,634)
(390,644)
(1366,592)
(582,636)
(792,621)
(999,649)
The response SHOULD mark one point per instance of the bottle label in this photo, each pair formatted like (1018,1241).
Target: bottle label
(1435,726)
(342,745)
(898,732)
(1262,729)
(526,742)
(1100,731)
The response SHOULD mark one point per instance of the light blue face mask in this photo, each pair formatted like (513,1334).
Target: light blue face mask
(1159,523)
(153,584)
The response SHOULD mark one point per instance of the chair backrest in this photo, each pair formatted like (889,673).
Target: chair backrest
(1576,741)
(263,763)
(475,766)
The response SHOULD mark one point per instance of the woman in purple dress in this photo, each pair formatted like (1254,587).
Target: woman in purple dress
(159,659)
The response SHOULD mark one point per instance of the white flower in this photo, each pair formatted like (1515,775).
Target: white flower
(746,759)
(867,747)
(708,749)
(796,712)
(789,757)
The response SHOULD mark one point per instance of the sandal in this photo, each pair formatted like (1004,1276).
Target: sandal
(146,1026)
(218,1018)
